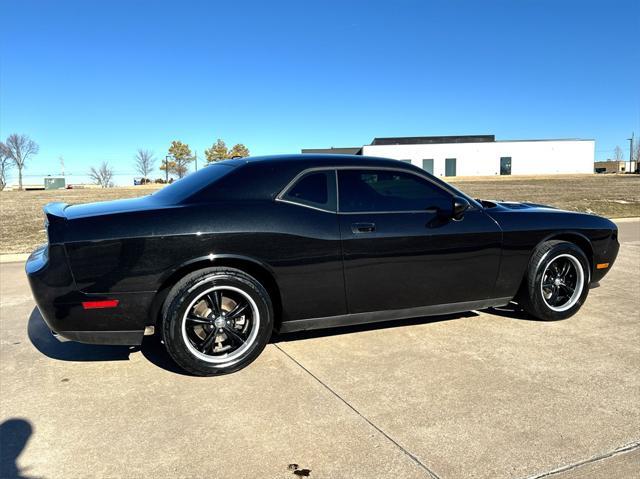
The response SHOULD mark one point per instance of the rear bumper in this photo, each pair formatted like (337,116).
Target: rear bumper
(60,303)
(123,338)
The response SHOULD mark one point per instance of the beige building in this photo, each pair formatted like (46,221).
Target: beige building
(613,166)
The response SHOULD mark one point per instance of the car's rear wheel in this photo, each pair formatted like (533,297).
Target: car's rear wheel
(216,321)
(557,281)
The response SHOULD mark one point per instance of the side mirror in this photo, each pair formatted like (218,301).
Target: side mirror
(460,206)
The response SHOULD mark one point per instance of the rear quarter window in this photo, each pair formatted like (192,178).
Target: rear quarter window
(316,189)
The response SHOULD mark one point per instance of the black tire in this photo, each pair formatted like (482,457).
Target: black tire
(181,344)
(554,299)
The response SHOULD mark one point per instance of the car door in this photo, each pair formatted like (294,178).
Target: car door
(306,253)
(401,249)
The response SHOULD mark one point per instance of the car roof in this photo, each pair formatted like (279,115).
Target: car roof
(274,172)
(307,160)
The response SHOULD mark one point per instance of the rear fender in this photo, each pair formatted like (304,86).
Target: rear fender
(260,270)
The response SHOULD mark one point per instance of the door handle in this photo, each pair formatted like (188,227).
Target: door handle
(363,227)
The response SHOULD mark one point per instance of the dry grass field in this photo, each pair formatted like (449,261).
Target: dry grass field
(614,196)
(22,219)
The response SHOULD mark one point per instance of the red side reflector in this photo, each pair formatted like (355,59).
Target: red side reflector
(107,303)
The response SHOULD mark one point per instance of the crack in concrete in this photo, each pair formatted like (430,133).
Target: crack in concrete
(621,450)
(431,474)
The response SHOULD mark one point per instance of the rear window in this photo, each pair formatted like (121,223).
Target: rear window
(192,183)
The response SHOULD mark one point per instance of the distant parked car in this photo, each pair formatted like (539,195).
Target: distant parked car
(218,260)
(141,181)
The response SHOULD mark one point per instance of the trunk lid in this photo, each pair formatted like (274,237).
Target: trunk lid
(109,207)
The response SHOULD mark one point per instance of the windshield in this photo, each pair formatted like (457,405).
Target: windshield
(180,190)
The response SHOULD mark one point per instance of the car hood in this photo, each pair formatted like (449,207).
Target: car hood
(515,205)
(527,208)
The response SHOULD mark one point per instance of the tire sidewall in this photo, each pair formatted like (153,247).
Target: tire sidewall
(194,286)
(544,311)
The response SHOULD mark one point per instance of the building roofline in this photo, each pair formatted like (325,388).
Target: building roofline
(428,140)
(349,150)
(549,139)
(432,140)
(485,142)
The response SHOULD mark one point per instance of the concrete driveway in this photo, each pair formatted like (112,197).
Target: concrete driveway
(487,394)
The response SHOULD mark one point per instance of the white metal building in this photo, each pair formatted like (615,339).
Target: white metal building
(482,155)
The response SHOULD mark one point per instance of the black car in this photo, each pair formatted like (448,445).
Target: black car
(218,260)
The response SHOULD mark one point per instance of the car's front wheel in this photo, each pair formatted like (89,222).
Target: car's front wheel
(216,321)
(557,281)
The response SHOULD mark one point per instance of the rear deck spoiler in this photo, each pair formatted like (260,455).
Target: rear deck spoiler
(55,211)
(55,220)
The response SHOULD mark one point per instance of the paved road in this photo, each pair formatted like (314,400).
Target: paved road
(486,394)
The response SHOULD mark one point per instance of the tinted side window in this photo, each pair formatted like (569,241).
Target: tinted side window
(386,190)
(317,189)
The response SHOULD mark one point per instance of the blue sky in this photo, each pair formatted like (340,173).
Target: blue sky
(95,80)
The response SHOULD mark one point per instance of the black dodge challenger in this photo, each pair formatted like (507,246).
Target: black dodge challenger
(218,260)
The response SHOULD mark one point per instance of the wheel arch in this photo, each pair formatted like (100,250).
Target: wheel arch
(580,240)
(574,237)
(261,272)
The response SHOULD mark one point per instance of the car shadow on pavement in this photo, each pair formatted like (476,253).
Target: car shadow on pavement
(45,342)
(154,351)
(396,323)
(511,311)
(14,436)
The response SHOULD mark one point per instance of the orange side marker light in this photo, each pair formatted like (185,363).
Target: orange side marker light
(602,265)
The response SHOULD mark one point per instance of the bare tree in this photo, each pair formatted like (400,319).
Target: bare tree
(103,175)
(5,165)
(145,162)
(20,148)
(618,154)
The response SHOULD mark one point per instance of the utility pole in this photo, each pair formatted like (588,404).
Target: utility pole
(631,152)
(196,160)
(62,165)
